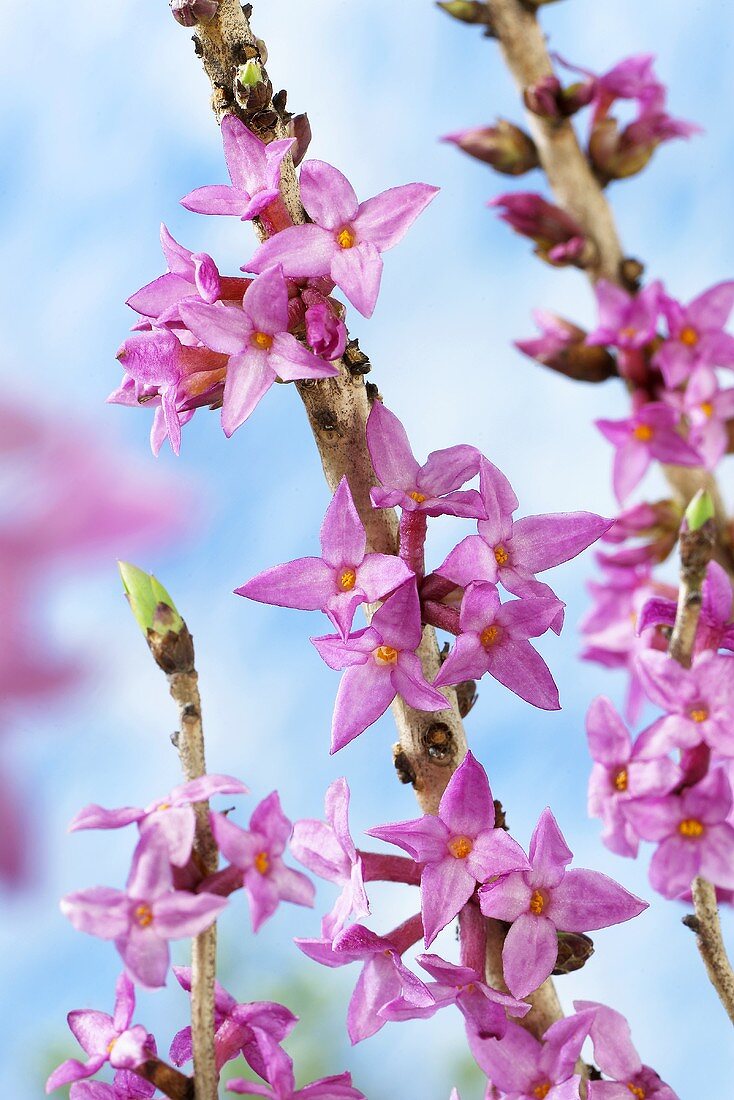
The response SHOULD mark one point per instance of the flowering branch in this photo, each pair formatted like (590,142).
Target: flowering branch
(172,647)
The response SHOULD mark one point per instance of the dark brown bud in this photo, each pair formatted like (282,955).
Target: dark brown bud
(574,951)
(300,129)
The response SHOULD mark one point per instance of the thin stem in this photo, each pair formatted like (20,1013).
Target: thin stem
(707,927)
(184,689)
(413,528)
(440,615)
(170,1081)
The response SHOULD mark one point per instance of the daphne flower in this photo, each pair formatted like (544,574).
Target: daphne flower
(345,238)
(699,701)
(278,1072)
(189,275)
(616,1056)
(626,321)
(716,624)
(696,334)
(650,433)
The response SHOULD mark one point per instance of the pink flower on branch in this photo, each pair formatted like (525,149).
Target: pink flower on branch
(257,853)
(650,433)
(716,624)
(549,899)
(258,343)
(380,662)
(254,169)
(345,238)
(459,847)
(144,917)
(696,334)
(616,1056)
(699,701)
(277,1069)
(344,577)
(189,275)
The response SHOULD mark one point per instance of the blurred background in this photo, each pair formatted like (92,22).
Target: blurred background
(105,123)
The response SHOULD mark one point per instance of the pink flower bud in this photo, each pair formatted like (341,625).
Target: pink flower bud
(190,12)
(505,147)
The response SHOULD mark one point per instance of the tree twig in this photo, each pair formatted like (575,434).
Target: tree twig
(707,927)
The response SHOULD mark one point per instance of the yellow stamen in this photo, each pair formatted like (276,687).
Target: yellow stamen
(164,806)
(637,1091)
(698,714)
(621,779)
(537,905)
(643,432)
(628,333)
(489,636)
(261,340)
(501,555)
(347,580)
(691,827)
(460,846)
(143,915)
(416,496)
(706,408)
(346,237)
(262,863)
(688,337)
(111,1044)
(385,655)
(541,1091)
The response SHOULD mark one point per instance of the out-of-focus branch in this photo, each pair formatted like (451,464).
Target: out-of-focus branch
(707,927)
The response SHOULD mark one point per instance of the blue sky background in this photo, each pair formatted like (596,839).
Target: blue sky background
(105,123)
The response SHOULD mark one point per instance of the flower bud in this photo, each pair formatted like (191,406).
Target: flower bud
(562,347)
(190,12)
(559,239)
(505,147)
(574,951)
(300,129)
(165,631)
(700,510)
(249,74)
(324,331)
(549,99)
(466,11)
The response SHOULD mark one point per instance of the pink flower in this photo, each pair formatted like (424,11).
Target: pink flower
(707,408)
(459,847)
(344,577)
(254,169)
(615,1056)
(692,833)
(142,919)
(381,662)
(696,334)
(277,1069)
(716,624)
(344,238)
(626,321)
(699,701)
(549,899)
(258,853)
(189,275)
(257,341)
(650,433)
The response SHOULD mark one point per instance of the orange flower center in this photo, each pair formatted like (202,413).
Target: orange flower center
(386,655)
(261,340)
(692,828)
(164,806)
(688,337)
(417,497)
(699,714)
(628,333)
(143,915)
(643,432)
(460,846)
(707,408)
(637,1091)
(489,636)
(621,780)
(262,863)
(346,237)
(537,905)
(347,580)
(542,1090)
(501,555)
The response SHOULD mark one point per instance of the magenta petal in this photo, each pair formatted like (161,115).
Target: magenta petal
(124,1002)
(614,1051)
(712,308)
(93,1031)
(630,464)
(448,469)
(179,914)
(150,873)
(506,899)
(145,955)
(398,621)
(665,682)
(586,900)
(306,583)
(217,198)
(303,251)
(100,911)
(529,954)
(96,817)
(327,195)
(266,302)
(495,853)
(74,1070)
(390,451)
(445,889)
(380,574)
(365,692)
(162,294)
(674,865)
(249,377)
(237,845)
(223,328)
(410,683)
(472,560)
(292,885)
(385,219)
(424,838)
(542,542)
(466,806)
(358,272)
(343,538)
(520,668)
(609,739)
(466,661)
(549,853)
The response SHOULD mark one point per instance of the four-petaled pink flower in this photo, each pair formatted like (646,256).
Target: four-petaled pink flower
(621,772)
(699,701)
(651,432)
(384,976)
(459,847)
(328,850)
(696,334)
(278,1072)
(257,341)
(549,899)
(344,577)
(494,639)
(626,321)
(615,1055)
(254,169)
(430,489)
(258,854)
(105,1039)
(345,237)
(708,408)
(380,663)
(173,815)
(692,832)
(189,275)
(142,919)
(511,552)
(237,1027)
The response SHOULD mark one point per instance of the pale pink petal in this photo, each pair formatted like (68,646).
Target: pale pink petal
(358,271)
(385,219)
(249,377)
(327,195)
(529,954)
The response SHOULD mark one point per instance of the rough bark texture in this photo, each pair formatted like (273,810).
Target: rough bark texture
(707,927)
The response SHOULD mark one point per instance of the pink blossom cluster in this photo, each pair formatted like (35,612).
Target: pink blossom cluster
(209,340)
(461,597)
